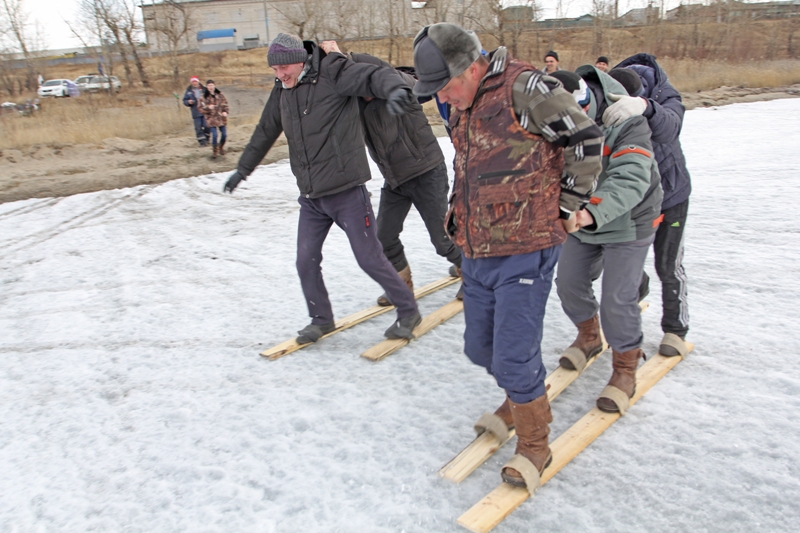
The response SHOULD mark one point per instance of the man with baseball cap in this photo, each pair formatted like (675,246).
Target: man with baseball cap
(191,97)
(527,159)
(314,102)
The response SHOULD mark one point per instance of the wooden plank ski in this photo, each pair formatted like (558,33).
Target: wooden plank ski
(292,345)
(486,444)
(441,315)
(499,503)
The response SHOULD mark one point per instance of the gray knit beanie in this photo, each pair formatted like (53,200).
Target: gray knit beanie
(286,49)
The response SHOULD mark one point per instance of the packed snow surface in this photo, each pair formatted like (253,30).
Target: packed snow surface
(133,398)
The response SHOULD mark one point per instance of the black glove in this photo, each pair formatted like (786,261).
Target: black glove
(400,101)
(233,182)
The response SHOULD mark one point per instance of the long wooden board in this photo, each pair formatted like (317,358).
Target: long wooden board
(486,444)
(349,321)
(441,315)
(502,501)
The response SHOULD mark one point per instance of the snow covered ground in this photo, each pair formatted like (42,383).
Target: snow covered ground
(133,399)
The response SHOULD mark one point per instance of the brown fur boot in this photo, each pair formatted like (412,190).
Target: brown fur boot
(405,275)
(214,155)
(532,421)
(504,412)
(589,342)
(622,383)
(222,148)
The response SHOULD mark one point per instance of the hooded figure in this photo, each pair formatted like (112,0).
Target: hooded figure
(625,211)
(660,103)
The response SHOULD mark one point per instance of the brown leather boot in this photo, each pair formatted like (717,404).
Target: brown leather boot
(504,412)
(405,275)
(214,155)
(622,385)
(532,421)
(589,343)
(222,147)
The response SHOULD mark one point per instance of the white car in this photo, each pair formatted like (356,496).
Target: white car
(81,81)
(58,88)
(102,83)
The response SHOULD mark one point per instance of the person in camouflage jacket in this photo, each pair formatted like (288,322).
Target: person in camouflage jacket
(214,107)
(527,159)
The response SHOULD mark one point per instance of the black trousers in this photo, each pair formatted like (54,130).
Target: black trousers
(668,249)
(428,193)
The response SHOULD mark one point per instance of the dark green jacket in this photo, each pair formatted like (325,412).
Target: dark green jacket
(627,202)
(321,120)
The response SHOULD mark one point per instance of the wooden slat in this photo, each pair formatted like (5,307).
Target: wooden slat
(389,346)
(499,503)
(349,321)
(486,444)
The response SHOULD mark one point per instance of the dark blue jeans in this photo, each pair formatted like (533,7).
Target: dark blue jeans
(201,130)
(504,305)
(351,210)
(222,137)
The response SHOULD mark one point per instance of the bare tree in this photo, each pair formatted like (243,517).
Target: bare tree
(174,23)
(129,25)
(339,21)
(304,16)
(16,21)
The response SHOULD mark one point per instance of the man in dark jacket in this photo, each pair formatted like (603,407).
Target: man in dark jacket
(411,161)
(314,103)
(191,97)
(660,103)
(526,161)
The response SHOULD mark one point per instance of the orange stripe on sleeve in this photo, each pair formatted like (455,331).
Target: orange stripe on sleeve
(606,151)
(631,150)
(659,220)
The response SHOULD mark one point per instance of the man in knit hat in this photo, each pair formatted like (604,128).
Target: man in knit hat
(527,158)
(314,102)
(551,62)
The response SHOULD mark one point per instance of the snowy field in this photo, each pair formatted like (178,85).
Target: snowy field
(133,398)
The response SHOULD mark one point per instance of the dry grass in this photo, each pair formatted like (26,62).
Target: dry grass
(90,120)
(138,113)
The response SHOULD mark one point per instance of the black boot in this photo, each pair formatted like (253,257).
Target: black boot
(403,328)
(314,332)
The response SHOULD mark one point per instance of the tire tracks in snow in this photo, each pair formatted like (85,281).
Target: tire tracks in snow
(62,227)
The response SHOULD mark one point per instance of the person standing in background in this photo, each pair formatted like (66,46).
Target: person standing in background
(214,107)
(191,97)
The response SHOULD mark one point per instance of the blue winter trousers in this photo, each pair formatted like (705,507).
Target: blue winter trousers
(504,305)
(201,130)
(351,210)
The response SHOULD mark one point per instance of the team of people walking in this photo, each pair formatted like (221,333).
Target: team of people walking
(558,174)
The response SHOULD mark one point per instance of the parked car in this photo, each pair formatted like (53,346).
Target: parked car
(102,83)
(81,81)
(59,88)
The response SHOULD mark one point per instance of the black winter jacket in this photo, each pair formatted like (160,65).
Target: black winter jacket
(321,120)
(664,114)
(403,146)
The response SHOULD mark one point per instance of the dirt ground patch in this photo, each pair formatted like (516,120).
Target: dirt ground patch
(62,170)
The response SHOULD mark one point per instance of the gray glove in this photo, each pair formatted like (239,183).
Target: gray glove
(623,108)
(233,182)
(400,101)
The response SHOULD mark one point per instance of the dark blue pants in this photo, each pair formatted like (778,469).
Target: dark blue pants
(428,193)
(504,305)
(222,137)
(351,210)
(201,130)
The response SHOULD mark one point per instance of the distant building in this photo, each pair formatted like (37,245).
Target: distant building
(734,10)
(639,17)
(255,23)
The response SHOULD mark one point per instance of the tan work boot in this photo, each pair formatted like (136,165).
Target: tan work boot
(532,421)
(222,147)
(214,155)
(586,345)
(405,275)
(615,398)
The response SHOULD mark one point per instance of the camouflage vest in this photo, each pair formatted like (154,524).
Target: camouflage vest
(505,199)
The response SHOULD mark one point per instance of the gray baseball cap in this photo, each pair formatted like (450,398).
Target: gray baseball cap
(442,52)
